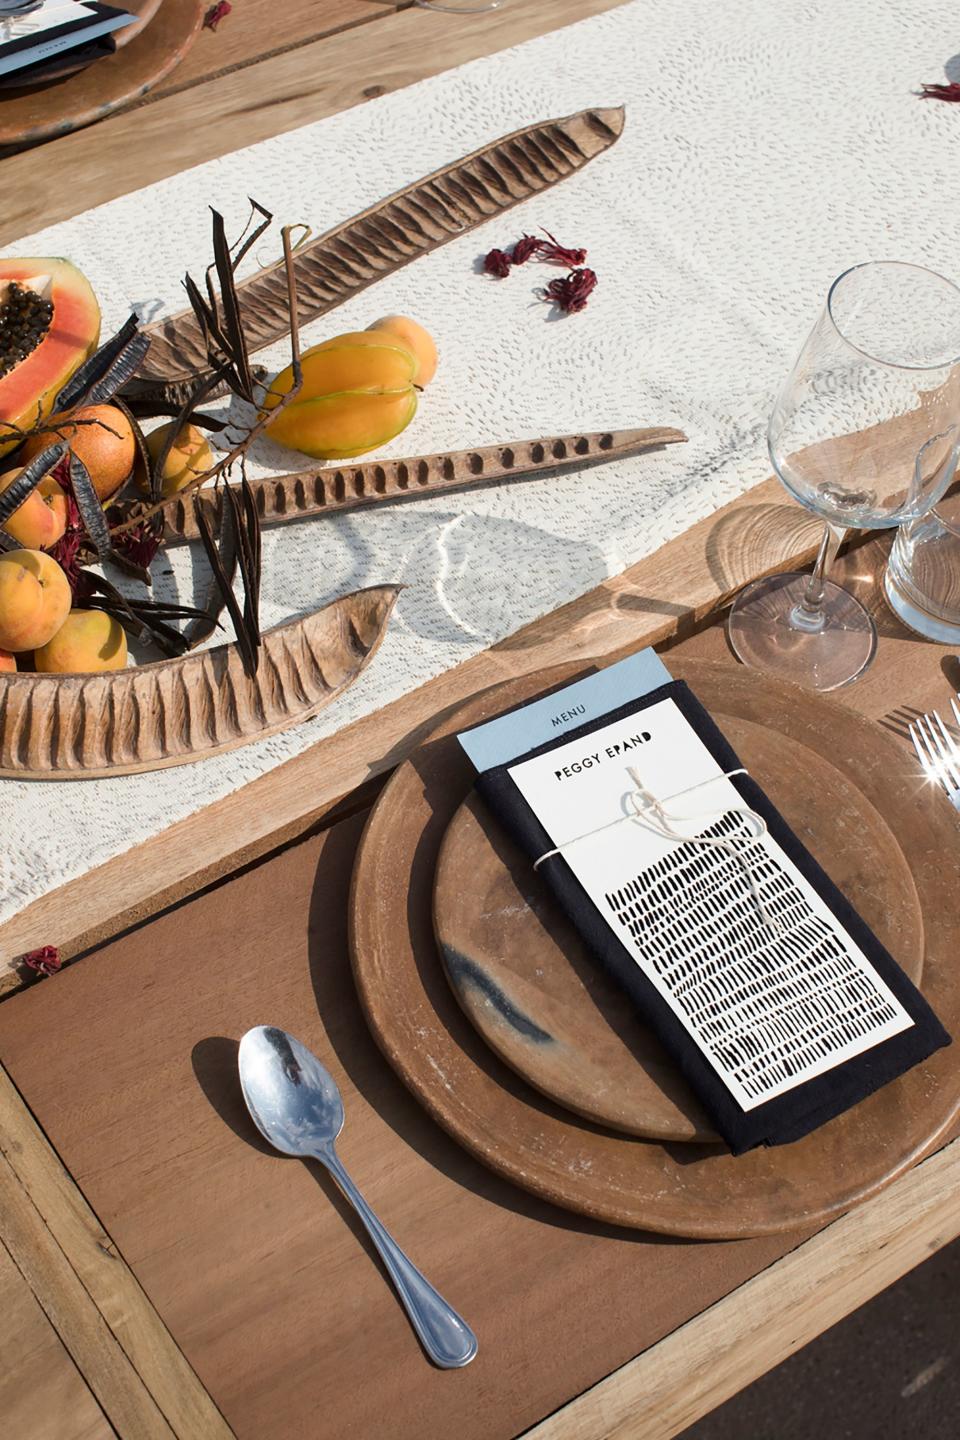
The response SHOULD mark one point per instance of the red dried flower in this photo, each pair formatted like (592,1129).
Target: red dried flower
(524,248)
(572,291)
(216,13)
(140,543)
(66,552)
(497,263)
(941,92)
(45,961)
(557,254)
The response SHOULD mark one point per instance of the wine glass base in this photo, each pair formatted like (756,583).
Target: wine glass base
(762,633)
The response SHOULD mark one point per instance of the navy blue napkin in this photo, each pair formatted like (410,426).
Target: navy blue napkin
(810,1103)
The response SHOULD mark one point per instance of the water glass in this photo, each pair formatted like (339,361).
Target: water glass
(922,580)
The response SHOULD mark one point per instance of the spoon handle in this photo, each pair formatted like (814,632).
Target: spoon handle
(447,1339)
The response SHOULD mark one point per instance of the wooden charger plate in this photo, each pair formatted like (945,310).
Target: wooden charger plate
(696,1190)
(531,987)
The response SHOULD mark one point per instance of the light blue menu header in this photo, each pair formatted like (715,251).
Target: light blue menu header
(498,741)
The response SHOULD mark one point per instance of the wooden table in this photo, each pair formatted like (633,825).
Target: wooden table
(70,1304)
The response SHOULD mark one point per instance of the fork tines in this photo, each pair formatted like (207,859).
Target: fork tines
(938,750)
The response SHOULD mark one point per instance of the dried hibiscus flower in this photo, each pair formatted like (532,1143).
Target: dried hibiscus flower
(497,263)
(572,291)
(45,961)
(940,92)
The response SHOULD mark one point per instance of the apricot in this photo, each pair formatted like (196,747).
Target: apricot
(418,341)
(357,393)
(7,661)
(107,447)
(189,457)
(88,640)
(34,599)
(42,518)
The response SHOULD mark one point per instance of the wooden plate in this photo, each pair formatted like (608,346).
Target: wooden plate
(695,1190)
(145,56)
(531,988)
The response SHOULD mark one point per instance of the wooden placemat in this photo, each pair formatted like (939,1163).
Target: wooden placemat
(128,1061)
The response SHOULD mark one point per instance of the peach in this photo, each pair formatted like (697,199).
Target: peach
(357,393)
(34,599)
(42,518)
(7,661)
(418,341)
(107,446)
(189,456)
(88,640)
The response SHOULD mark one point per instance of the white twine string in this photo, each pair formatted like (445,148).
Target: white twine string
(646,810)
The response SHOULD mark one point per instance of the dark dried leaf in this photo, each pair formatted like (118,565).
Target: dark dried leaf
(246,242)
(26,482)
(247,650)
(251,586)
(88,503)
(200,630)
(143,619)
(236,346)
(113,365)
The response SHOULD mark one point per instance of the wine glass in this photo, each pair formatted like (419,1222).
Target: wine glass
(865,434)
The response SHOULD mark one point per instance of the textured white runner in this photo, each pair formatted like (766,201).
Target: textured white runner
(767,147)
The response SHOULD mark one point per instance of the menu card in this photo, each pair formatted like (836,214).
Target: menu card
(776,1000)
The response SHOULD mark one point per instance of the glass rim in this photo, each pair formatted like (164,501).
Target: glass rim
(893,265)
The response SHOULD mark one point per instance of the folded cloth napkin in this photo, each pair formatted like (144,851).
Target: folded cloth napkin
(777,1002)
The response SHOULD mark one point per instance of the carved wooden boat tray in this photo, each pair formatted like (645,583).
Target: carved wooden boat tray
(320,491)
(68,727)
(441,207)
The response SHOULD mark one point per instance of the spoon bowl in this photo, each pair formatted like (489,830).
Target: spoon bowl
(293,1101)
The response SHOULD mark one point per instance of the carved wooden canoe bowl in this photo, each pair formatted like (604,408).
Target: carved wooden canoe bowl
(78,727)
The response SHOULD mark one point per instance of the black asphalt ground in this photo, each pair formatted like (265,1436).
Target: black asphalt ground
(890,1371)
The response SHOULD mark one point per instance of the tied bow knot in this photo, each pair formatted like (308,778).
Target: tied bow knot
(642,807)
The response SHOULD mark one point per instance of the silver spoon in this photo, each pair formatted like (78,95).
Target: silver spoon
(296,1106)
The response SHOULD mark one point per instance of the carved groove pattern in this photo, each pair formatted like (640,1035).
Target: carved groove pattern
(62,727)
(412,222)
(316,492)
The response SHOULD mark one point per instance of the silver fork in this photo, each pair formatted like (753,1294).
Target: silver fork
(938,751)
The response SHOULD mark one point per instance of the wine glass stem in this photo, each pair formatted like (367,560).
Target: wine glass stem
(808,615)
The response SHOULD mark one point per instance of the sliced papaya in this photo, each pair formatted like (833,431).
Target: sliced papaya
(49,325)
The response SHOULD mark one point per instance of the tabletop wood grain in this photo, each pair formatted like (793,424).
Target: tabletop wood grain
(42,1394)
(254,99)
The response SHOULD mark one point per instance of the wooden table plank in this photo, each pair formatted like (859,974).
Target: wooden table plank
(756,534)
(758,1326)
(149,142)
(42,1394)
(91,1298)
(259,29)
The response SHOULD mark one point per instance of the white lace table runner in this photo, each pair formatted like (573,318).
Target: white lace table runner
(767,147)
